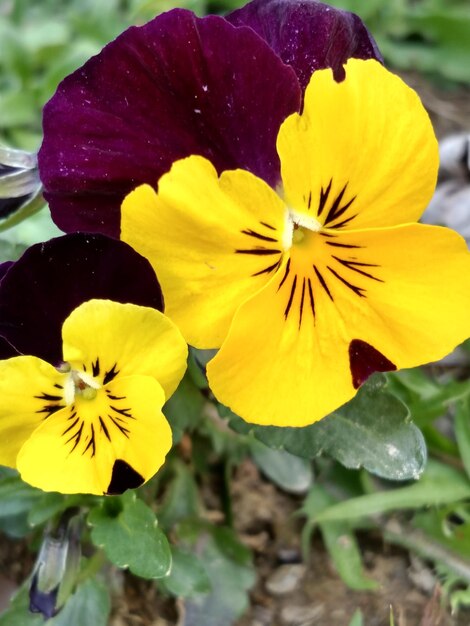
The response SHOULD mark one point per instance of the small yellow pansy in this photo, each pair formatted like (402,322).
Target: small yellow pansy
(94,424)
(310,289)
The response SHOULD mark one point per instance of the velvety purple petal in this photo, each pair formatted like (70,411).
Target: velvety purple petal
(51,279)
(308,35)
(4,267)
(177,86)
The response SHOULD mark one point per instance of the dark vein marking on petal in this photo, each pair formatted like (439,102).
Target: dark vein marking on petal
(111,397)
(285,274)
(110,374)
(71,416)
(124,412)
(57,386)
(342,245)
(95,367)
(323,283)
(71,425)
(324,193)
(291,298)
(269,269)
(50,409)
(351,265)
(253,233)
(268,226)
(91,443)
(77,437)
(123,430)
(104,428)
(49,397)
(309,201)
(344,222)
(357,290)
(302,303)
(310,293)
(258,251)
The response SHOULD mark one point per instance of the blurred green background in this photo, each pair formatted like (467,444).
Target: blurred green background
(41,41)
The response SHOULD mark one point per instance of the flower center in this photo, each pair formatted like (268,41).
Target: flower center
(78,383)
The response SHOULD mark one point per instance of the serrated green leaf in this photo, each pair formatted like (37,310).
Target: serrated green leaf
(188,575)
(291,473)
(132,539)
(440,484)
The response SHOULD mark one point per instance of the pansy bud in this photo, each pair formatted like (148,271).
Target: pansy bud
(20,187)
(55,572)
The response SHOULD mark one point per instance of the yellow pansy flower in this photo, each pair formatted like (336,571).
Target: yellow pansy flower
(309,289)
(94,424)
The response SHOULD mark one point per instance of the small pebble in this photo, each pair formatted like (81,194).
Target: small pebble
(302,615)
(285,579)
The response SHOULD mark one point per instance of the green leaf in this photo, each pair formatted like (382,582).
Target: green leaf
(439,484)
(131,538)
(357,619)
(462,432)
(229,569)
(372,431)
(184,408)
(89,605)
(18,613)
(291,473)
(188,575)
(181,498)
(339,540)
(16,496)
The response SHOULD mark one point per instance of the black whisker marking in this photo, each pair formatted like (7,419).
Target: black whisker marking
(269,269)
(344,222)
(335,206)
(259,251)
(124,412)
(110,374)
(341,211)
(77,437)
(309,202)
(324,197)
(337,244)
(123,430)
(285,274)
(57,386)
(302,302)
(357,290)
(253,233)
(323,283)
(312,300)
(291,298)
(71,426)
(49,397)
(104,428)
(91,443)
(351,266)
(95,367)
(267,225)
(111,397)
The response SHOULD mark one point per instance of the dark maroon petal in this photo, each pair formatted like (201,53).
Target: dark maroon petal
(308,35)
(177,86)
(365,360)
(51,279)
(4,267)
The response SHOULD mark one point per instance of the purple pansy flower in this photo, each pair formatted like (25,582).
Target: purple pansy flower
(50,280)
(182,85)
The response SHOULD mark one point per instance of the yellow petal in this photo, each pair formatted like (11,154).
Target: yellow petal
(212,241)
(345,305)
(416,309)
(362,153)
(112,339)
(114,442)
(30,391)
